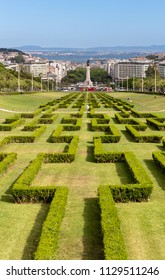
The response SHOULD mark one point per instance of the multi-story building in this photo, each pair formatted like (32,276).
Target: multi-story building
(128,69)
(161,69)
(37,69)
(59,69)
(13,66)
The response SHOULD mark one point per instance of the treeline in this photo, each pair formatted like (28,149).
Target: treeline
(78,75)
(7,51)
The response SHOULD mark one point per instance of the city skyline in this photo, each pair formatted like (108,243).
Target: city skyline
(82,24)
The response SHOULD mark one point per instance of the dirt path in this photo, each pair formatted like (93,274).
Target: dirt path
(10,111)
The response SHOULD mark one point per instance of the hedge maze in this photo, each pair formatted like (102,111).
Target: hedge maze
(58,124)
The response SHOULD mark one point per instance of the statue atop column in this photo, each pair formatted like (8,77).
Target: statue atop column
(88,81)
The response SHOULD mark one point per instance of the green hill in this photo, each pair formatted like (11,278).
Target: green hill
(9,81)
(7,51)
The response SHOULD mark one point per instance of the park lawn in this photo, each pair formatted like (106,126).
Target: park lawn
(27,102)
(143,223)
(20,229)
(80,235)
(143,102)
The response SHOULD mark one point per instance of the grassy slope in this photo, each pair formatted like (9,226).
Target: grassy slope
(9,79)
(142,223)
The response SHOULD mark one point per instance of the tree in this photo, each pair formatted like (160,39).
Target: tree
(100,75)
(79,75)
(18,59)
(150,72)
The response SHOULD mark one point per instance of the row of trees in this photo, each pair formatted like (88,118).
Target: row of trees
(79,75)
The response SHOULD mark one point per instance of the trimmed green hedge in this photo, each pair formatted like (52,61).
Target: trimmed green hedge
(21,190)
(112,135)
(6,160)
(10,124)
(47,118)
(50,232)
(56,136)
(103,157)
(67,157)
(159,159)
(114,246)
(134,132)
(99,127)
(141,187)
(163,141)
(38,130)
(157,123)
(70,127)
(142,114)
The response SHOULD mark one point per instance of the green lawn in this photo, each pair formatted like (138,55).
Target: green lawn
(142,224)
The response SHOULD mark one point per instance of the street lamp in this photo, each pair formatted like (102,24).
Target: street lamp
(19,83)
(32,82)
(155,69)
(133,82)
(127,83)
(41,75)
(142,84)
(48,83)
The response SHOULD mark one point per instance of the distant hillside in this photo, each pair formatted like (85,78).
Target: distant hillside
(7,51)
(150,48)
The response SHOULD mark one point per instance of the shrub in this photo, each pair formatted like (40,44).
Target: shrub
(159,159)
(50,232)
(6,160)
(157,123)
(114,247)
(140,189)
(133,131)
(10,124)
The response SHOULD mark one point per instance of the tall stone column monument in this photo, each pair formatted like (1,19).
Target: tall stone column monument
(88,81)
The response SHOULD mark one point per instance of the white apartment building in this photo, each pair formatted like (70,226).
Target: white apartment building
(12,66)
(129,69)
(59,69)
(37,69)
(161,69)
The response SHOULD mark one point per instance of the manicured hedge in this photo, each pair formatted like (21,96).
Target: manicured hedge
(56,136)
(38,130)
(131,192)
(47,246)
(70,127)
(67,157)
(69,120)
(6,160)
(114,246)
(133,131)
(159,159)
(10,124)
(112,135)
(163,141)
(141,114)
(123,120)
(141,187)
(103,157)
(99,127)
(157,123)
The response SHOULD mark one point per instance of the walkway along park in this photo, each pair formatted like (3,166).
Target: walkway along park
(82,177)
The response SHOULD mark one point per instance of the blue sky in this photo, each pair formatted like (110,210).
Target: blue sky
(82,23)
